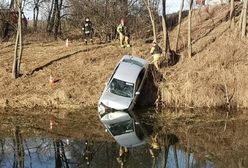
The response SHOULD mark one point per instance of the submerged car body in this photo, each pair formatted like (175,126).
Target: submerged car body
(124,129)
(124,85)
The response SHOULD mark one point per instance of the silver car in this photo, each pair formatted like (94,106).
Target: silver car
(125,129)
(124,85)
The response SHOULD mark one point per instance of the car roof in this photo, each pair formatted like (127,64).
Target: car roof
(129,68)
(129,140)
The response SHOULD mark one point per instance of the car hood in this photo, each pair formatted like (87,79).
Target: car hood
(129,140)
(115,102)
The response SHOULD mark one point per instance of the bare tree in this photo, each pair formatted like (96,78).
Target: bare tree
(179,24)
(19,148)
(51,16)
(175,156)
(36,10)
(124,4)
(165,31)
(54,18)
(244,18)
(18,44)
(189,29)
(147,4)
(232,13)
(12,4)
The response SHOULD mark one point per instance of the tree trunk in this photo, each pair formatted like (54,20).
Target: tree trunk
(18,43)
(165,151)
(19,149)
(124,4)
(244,22)
(175,156)
(106,22)
(241,19)
(147,4)
(35,15)
(179,24)
(232,14)
(34,10)
(12,4)
(15,61)
(58,160)
(56,22)
(164,26)
(58,7)
(189,29)
(50,16)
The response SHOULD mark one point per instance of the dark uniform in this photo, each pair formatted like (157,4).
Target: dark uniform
(88,30)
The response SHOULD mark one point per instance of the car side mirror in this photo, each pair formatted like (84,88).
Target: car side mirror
(137,93)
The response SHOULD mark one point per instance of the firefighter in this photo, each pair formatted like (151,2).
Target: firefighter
(123,34)
(155,147)
(88,30)
(88,153)
(123,154)
(156,52)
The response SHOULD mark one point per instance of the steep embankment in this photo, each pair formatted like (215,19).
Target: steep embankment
(219,65)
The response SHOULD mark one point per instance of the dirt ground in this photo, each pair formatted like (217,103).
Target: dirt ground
(217,70)
(80,72)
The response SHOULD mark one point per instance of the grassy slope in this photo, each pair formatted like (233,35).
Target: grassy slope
(220,59)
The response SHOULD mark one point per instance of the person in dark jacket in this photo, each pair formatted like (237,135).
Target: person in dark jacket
(88,30)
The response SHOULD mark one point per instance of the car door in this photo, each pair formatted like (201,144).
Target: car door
(138,85)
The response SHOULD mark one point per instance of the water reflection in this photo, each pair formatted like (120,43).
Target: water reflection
(174,140)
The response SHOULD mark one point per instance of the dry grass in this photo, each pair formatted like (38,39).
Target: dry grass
(220,59)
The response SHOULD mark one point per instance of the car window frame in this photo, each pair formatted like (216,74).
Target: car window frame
(111,77)
(139,80)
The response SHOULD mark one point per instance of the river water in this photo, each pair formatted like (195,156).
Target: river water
(56,138)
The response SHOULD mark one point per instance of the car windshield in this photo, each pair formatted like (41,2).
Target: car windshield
(121,127)
(121,88)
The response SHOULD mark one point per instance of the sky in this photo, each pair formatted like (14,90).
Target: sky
(171,6)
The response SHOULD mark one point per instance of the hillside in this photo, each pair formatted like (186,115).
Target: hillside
(218,66)
(219,62)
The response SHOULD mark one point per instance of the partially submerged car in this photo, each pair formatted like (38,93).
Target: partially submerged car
(124,129)
(124,85)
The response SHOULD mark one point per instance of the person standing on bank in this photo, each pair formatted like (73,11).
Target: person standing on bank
(88,30)
(123,34)
(156,52)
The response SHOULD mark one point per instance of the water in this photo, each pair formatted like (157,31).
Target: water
(49,139)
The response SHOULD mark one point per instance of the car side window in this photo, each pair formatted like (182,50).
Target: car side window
(139,79)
